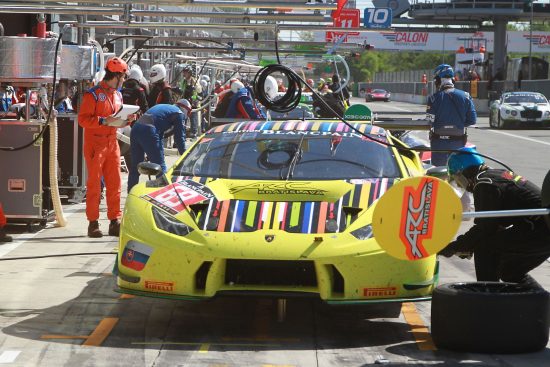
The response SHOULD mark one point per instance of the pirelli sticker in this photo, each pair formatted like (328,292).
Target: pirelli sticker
(156,286)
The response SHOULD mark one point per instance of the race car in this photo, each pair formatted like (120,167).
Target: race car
(519,109)
(378,95)
(271,208)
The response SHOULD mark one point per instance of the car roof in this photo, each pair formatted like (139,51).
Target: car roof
(521,94)
(298,125)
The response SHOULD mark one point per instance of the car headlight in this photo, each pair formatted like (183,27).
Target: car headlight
(168,223)
(514,113)
(507,111)
(546,113)
(363,233)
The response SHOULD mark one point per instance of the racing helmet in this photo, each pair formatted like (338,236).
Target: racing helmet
(205,77)
(184,104)
(270,87)
(158,72)
(459,162)
(204,84)
(444,71)
(116,65)
(236,85)
(135,73)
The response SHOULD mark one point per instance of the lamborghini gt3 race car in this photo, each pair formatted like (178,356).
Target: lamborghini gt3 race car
(519,109)
(271,208)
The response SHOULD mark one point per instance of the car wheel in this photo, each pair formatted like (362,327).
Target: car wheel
(491,119)
(387,100)
(490,317)
(500,122)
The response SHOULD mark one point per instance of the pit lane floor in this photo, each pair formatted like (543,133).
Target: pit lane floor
(62,311)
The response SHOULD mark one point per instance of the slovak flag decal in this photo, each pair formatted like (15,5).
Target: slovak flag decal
(136,255)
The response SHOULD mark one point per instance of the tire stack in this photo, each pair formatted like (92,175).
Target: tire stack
(490,317)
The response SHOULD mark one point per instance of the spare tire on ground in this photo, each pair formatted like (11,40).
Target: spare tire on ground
(490,317)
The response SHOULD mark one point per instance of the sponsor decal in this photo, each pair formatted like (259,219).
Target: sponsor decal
(269,237)
(380,291)
(175,197)
(159,286)
(539,40)
(417,217)
(407,38)
(102,97)
(278,188)
(136,255)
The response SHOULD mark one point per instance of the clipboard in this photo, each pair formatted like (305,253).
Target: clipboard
(125,111)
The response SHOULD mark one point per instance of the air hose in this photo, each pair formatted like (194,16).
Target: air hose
(293,94)
(54,188)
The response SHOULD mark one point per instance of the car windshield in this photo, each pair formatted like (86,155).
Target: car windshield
(282,155)
(379,91)
(525,98)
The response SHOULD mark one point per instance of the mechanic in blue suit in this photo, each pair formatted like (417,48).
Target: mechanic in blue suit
(242,104)
(148,132)
(450,111)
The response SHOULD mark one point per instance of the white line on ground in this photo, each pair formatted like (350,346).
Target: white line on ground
(398,108)
(519,137)
(9,356)
(19,240)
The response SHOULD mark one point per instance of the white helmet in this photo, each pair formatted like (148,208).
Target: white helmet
(158,72)
(270,87)
(135,73)
(205,77)
(236,85)
(204,84)
(184,104)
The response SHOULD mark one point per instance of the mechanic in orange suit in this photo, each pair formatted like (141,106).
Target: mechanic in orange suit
(101,149)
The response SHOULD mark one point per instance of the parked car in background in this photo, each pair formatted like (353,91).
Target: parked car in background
(378,95)
(519,109)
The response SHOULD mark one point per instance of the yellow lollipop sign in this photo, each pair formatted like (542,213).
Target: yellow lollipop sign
(428,216)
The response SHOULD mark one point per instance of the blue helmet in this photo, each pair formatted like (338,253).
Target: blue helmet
(458,162)
(444,71)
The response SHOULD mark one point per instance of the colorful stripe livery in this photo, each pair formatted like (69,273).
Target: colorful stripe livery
(293,216)
(136,255)
(299,125)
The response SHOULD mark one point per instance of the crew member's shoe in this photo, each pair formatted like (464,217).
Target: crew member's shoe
(4,237)
(93,229)
(114,228)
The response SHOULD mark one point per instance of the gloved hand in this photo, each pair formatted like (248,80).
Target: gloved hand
(115,122)
(453,249)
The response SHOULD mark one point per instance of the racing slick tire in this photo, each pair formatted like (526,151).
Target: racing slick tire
(490,317)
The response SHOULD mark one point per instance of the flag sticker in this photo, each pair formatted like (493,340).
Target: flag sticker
(136,255)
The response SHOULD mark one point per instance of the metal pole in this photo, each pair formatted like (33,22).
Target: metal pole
(506,213)
(530,40)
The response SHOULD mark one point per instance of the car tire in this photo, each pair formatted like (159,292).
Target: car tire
(387,100)
(490,317)
(491,119)
(500,123)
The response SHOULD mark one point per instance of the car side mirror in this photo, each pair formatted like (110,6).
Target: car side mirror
(439,172)
(149,168)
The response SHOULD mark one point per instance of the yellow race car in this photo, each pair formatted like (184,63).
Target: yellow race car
(271,208)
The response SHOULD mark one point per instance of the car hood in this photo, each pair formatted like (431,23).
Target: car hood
(249,205)
(522,106)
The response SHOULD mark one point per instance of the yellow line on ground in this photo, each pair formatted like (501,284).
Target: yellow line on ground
(50,336)
(209,344)
(419,330)
(204,348)
(101,332)
(126,296)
